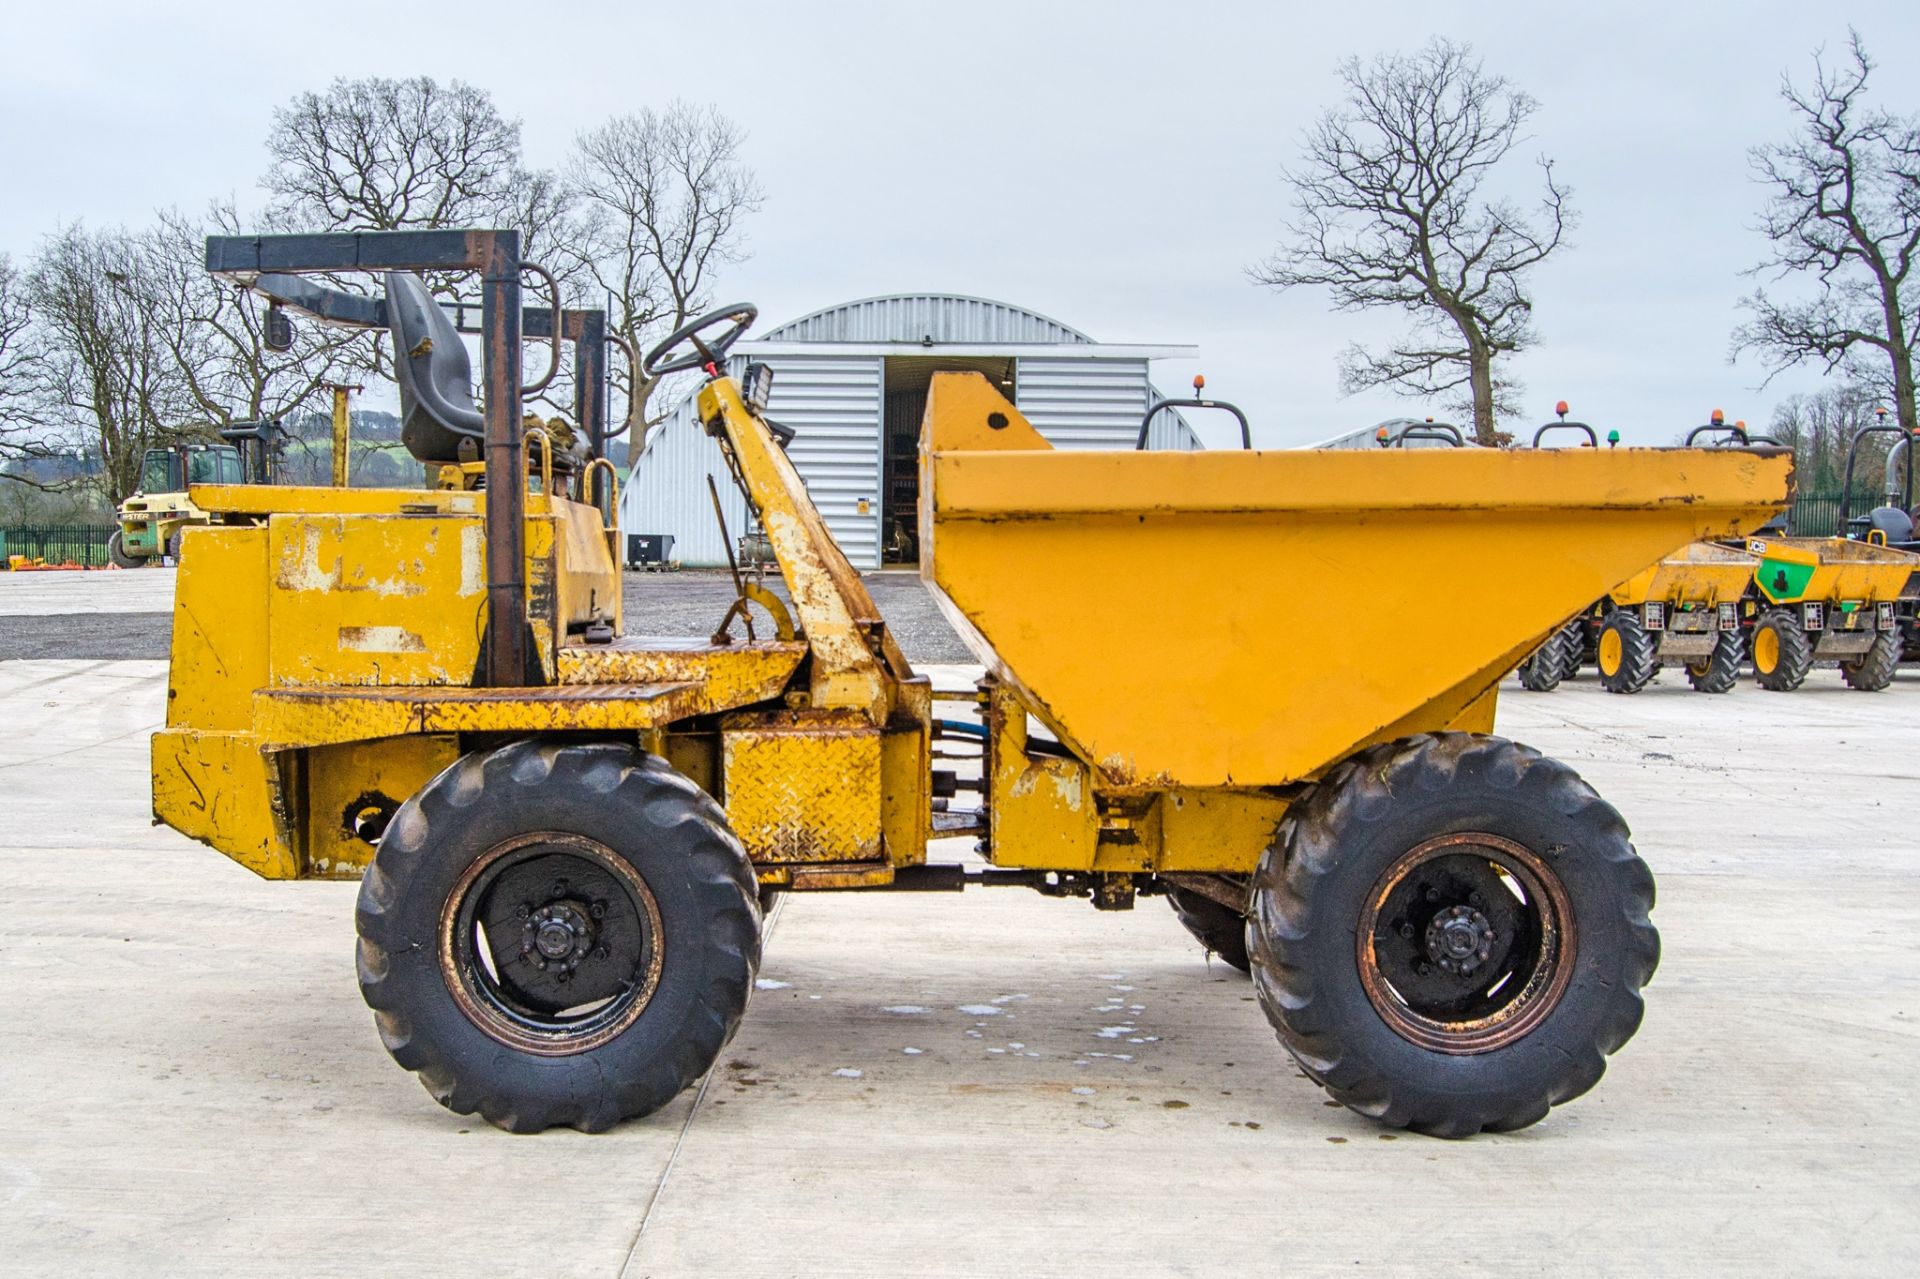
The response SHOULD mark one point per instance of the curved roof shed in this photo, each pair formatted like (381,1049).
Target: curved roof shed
(851,380)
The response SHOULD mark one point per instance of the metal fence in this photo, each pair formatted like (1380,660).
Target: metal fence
(1818,514)
(56,543)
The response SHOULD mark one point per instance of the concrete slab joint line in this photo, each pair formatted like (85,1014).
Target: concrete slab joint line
(660,1187)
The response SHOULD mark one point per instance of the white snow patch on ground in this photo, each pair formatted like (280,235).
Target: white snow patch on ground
(982,1010)
(768,983)
(904,1010)
(912,1052)
(1114,1032)
(848,1072)
(1084,1092)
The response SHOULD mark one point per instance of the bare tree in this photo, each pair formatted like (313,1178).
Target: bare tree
(111,384)
(663,196)
(1820,428)
(381,155)
(1390,212)
(21,378)
(214,331)
(1842,216)
(385,155)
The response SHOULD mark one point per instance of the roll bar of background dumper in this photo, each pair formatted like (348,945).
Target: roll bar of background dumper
(1246,435)
(1718,428)
(1593,437)
(1446,432)
(509,660)
(1853,454)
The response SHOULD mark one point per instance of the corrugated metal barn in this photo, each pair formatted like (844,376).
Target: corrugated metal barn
(851,381)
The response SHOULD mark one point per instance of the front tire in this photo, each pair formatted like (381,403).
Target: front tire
(1782,653)
(117,552)
(1719,671)
(1626,653)
(558,935)
(1450,934)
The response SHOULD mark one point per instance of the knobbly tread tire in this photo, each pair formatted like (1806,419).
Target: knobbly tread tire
(1315,878)
(1796,652)
(1545,667)
(1876,667)
(1723,665)
(664,826)
(1574,634)
(1639,654)
(1221,930)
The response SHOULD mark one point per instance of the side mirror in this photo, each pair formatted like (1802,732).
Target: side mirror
(278,333)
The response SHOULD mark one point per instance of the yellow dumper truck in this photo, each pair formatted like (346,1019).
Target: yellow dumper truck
(561,828)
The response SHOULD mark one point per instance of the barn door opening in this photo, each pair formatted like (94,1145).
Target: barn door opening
(906,379)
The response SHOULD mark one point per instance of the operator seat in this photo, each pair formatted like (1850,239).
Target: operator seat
(1893,522)
(438,419)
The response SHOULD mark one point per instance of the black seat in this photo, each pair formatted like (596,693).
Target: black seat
(438,419)
(1895,523)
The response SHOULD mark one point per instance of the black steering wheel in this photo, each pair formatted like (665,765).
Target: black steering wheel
(704,355)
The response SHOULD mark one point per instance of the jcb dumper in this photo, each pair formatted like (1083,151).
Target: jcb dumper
(561,830)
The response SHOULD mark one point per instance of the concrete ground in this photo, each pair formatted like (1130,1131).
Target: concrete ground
(193,1086)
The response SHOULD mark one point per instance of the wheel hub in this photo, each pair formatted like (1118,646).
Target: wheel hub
(1459,939)
(559,934)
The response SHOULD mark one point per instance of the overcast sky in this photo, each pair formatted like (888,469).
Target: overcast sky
(1115,166)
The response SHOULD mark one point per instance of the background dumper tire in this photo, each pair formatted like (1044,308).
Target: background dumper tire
(1324,866)
(1546,666)
(1719,671)
(665,828)
(1874,669)
(1221,930)
(1782,654)
(1630,666)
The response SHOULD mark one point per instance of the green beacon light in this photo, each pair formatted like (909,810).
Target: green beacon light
(1613,438)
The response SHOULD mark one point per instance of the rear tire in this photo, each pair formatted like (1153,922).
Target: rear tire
(1627,655)
(117,552)
(1221,930)
(1782,654)
(1575,633)
(1874,669)
(523,879)
(1361,880)
(1719,670)
(1545,667)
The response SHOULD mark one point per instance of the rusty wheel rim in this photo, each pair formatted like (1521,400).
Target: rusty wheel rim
(1466,943)
(550,943)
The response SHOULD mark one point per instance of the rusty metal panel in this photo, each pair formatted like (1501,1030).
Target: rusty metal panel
(730,675)
(375,599)
(804,789)
(321,716)
(220,789)
(352,791)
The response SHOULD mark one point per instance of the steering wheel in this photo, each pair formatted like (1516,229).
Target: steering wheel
(703,354)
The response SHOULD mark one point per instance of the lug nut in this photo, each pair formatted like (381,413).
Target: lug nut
(598,910)
(523,910)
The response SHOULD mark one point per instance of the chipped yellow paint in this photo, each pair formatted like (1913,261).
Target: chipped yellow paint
(290,717)
(220,789)
(341,781)
(1042,810)
(730,676)
(1702,574)
(1266,589)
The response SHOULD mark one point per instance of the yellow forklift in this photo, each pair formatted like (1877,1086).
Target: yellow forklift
(561,828)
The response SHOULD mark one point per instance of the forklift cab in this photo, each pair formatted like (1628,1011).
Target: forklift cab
(171,469)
